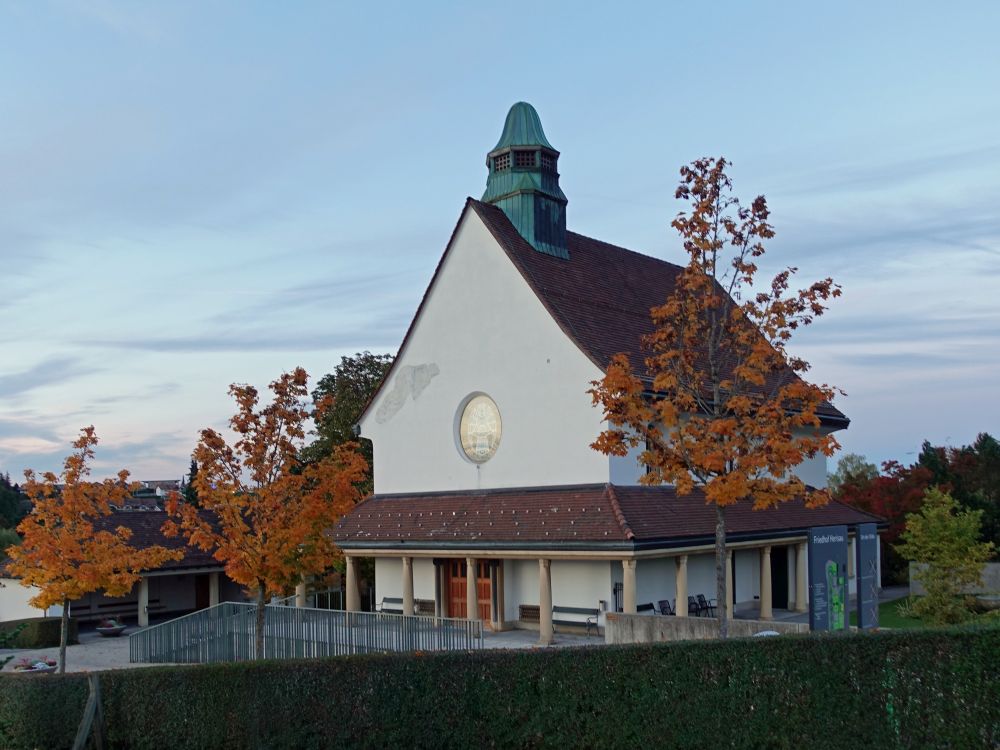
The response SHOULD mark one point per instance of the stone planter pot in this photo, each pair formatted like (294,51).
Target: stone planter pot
(112,632)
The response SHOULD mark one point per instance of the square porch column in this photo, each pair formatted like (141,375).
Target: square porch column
(407,585)
(352,597)
(544,602)
(801,603)
(300,594)
(730,594)
(143,602)
(681,585)
(471,590)
(628,587)
(213,589)
(438,588)
(766,612)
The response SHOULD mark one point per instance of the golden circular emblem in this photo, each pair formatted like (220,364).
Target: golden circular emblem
(479,429)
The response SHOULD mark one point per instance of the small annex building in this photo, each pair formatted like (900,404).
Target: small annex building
(489,501)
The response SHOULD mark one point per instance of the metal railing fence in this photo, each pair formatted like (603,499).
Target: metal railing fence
(226,632)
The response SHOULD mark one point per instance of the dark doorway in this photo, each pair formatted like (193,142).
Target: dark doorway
(201,593)
(779,577)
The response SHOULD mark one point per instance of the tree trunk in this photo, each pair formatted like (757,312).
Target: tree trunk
(63,636)
(721,596)
(259,634)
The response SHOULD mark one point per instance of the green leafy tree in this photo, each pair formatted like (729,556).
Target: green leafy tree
(851,467)
(11,511)
(344,394)
(971,474)
(946,540)
(190,488)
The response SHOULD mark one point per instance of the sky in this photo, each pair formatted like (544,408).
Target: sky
(194,194)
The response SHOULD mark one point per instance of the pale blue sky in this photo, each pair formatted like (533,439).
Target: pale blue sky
(200,193)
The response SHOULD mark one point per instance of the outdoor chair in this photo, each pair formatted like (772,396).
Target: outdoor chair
(694,608)
(665,608)
(706,605)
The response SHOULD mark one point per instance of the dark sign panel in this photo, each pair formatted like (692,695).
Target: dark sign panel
(866,559)
(828,578)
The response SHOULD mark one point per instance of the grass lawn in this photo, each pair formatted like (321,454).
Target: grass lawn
(889,617)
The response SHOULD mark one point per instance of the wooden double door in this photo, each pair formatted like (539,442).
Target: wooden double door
(455,576)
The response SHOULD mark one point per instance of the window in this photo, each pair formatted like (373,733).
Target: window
(548,162)
(524,158)
(501,162)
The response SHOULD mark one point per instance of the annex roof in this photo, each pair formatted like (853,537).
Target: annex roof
(576,516)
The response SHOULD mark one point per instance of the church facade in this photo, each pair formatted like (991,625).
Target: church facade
(489,501)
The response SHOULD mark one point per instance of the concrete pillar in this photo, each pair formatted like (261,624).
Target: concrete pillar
(628,587)
(801,600)
(471,590)
(213,589)
(143,602)
(544,602)
(730,594)
(300,594)
(438,588)
(407,585)
(765,584)
(681,585)
(352,597)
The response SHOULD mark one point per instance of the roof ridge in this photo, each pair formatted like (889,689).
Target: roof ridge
(619,514)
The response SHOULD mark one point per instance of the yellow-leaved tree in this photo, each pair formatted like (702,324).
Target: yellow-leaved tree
(67,551)
(723,405)
(266,510)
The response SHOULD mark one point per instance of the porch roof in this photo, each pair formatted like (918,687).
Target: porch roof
(597,516)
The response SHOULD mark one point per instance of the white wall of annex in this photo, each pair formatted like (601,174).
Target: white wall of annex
(14,602)
(423,578)
(580,583)
(388,578)
(483,330)
(520,586)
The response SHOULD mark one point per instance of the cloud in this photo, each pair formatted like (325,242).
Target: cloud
(836,178)
(52,371)
(381,333)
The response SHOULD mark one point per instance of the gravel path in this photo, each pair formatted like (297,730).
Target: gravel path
(92,654)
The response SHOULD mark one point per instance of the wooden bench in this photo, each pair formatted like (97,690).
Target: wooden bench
(390,605)
(575,617)
(528,613)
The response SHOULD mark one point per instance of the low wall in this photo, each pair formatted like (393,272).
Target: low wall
(622,628)
(990,583)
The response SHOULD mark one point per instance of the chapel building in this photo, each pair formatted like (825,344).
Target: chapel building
(489,502)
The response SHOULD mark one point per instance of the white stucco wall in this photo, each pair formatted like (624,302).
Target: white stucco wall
(389,578)
(655,580)
(14,602)
(581,583)
(482,330)
(423,578)
(520,586)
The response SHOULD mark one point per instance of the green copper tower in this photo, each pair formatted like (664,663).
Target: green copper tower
(524,184)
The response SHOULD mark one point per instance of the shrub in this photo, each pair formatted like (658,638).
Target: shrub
(928,689)
(40,632)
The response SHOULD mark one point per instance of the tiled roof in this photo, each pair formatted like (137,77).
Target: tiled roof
(146,532)
(600,296)
(583,515)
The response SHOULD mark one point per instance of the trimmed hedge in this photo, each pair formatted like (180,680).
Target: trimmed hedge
(41,632)
(917,689)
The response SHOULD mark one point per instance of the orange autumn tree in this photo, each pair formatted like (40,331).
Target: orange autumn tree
(63,553)
(723,406)
(266,511)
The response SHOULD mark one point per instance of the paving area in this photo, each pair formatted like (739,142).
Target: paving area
(95,653)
